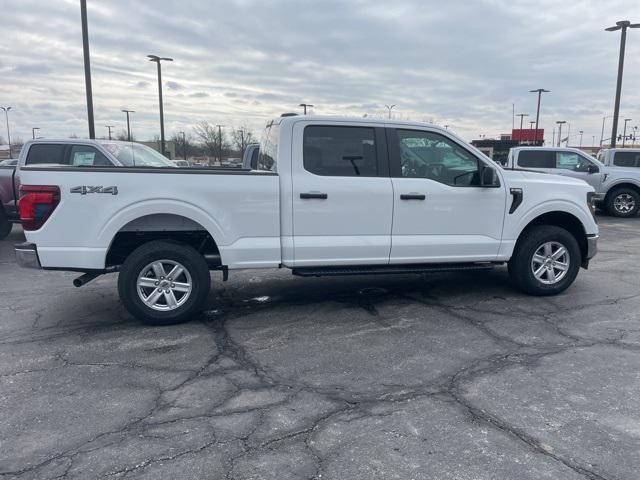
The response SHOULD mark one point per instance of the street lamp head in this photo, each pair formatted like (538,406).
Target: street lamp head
(128,111)
(539,90)
(561,122)
(6,109)
(156,58)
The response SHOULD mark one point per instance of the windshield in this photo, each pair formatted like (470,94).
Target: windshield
(136,155)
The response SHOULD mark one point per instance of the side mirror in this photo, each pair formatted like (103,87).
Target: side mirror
(592,168)
(489,177)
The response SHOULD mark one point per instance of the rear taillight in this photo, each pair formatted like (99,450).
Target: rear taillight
(36,204)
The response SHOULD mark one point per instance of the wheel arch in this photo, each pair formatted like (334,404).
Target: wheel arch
(161,226)
(622,184)
(561,219)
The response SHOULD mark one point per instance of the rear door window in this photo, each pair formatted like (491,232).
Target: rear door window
(338,151)
(47,153)
(626,159)
(86,156)
(537,159)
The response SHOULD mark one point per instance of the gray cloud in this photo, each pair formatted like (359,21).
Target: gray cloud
(460,63)
(174,86)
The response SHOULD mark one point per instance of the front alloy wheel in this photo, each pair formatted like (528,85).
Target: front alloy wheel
(545,261)
(550,263)
(624,204)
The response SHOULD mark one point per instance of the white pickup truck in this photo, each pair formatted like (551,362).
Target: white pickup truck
(330,196)
(615,176)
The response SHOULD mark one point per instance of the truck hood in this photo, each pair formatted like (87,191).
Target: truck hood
(519,176)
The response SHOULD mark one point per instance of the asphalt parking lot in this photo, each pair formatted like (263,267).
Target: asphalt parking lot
(448,376)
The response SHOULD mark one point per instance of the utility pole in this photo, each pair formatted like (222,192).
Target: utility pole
(220,143)
(128,124)
(305,106)
(531,122)
(87,67)
(560,123)
(184,144)
(521,115)
(390,107)
(109,127)
(539,91)
(158,60)
(624,134)
(6,116)
(33,132)
(622,26)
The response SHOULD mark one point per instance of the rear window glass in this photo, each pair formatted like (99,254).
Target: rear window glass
(537,159)
(340,151)
(627,159)
(268,150)
(44,153)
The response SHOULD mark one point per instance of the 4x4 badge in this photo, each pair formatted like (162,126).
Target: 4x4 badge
(84,189)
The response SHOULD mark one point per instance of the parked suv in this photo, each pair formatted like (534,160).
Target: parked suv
(616,180)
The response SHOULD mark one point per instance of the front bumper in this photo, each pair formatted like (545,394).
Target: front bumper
(27,255)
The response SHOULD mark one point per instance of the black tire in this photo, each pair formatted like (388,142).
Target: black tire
(623,202)
(521,264)
(5,225)
(198,277)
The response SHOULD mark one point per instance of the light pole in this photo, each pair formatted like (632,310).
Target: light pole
(220,143)
(593,140)
(624,134)
(521,115)
(531,123)
(109,127)
(560,123)
(539,91)
(305,105)
(621,25)
(553,138)
(184,144)
(33,132)
(581,132)
(390,107)
(6,116)
(158,60)
(128,124)
(635,131)
(87,68)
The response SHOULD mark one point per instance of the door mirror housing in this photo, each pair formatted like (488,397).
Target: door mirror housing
(592,168)
(489,177)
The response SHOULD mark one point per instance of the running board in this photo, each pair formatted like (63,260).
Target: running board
(391,269)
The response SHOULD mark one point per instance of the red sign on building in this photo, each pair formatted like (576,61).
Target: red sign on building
(527,134)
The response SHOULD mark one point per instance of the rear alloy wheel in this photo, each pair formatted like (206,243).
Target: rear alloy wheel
(164,283)
(546,260)
(623,203)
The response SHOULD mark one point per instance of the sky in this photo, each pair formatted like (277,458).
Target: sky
(242,62)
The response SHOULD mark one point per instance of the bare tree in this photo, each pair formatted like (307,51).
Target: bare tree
(122,135)
(207,134)
(185,145)
(241,137)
